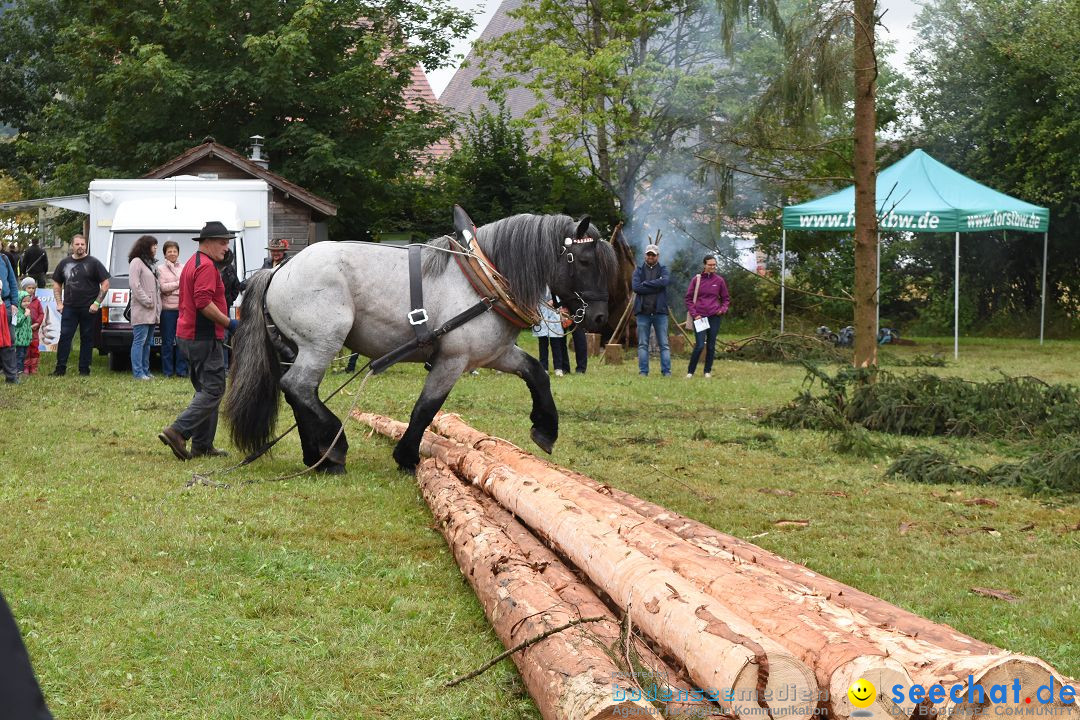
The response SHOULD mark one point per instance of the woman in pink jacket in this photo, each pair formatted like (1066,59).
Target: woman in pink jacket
(173,362)
(706,298)
(145,302)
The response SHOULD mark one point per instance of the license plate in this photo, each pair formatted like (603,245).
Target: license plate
(156,342)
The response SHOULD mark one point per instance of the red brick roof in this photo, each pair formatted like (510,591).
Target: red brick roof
(418,93)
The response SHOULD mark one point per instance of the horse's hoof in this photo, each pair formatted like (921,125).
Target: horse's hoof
(329,468)
(407,470)
(406,461)
(545,443)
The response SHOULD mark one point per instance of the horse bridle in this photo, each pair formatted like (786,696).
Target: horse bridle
(582,297)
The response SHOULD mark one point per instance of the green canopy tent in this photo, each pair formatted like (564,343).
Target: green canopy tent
(920,194)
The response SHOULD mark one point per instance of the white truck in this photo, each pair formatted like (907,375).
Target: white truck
(171,209)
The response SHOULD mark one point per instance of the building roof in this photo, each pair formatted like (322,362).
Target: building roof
(212,149)
(417,93)
(460,94)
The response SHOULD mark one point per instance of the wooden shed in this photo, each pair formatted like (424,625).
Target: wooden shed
(295,213)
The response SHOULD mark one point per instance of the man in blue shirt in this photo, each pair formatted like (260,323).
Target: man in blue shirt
(650,306)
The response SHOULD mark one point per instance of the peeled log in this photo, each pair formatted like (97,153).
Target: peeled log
(720,652)
(567,674)
(932,653)
(571,592)
(807,630)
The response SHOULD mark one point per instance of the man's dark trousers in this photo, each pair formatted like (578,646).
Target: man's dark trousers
(581,350)
(70,319)
(206,365)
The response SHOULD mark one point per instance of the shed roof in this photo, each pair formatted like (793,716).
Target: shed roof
(230,156)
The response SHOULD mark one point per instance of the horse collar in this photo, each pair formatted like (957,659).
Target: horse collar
(489,283)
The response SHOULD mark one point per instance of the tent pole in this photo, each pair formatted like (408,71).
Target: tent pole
(783,273)
(956,302)
(1042,313)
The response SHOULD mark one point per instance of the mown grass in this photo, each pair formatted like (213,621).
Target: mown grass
(334,597)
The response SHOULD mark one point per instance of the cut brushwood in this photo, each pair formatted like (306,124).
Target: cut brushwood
(720,652)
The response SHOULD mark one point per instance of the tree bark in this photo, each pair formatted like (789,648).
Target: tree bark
(569,674)
(720,652)
(866,297)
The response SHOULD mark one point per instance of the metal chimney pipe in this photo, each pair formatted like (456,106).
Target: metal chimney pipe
(256,152)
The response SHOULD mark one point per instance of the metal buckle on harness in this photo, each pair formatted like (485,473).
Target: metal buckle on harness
(420,318)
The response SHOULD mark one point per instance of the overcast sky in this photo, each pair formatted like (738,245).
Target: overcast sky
(897,21)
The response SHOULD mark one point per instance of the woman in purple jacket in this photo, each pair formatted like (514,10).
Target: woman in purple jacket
(706,298)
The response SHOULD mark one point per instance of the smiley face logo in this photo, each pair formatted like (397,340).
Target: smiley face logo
(862,693)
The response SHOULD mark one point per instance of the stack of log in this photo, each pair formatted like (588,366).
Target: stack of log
(719,624)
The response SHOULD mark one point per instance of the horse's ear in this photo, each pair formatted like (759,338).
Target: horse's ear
(463,223)
(583,227)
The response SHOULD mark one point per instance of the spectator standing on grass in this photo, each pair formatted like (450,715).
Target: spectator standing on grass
(23,333)
(278,249)
(650,283)
(145,303)
(37,318)
(35,263)
(549,333)
(173,361)
(9,301)
(200,333)
(80,282)
(706,299)
(13,256)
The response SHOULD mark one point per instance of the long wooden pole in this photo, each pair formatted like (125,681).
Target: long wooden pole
(718,650)
(569,673)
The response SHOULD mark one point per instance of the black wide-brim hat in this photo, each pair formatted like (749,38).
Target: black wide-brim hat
(214,229)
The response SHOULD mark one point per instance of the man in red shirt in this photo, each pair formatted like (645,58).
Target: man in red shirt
(200,332)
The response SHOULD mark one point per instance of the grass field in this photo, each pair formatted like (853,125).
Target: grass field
(334,598)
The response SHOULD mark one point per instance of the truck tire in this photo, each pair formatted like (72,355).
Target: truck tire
(119,360)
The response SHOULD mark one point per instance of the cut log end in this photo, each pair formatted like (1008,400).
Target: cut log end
(884,674)
(791,690)
(1032,675)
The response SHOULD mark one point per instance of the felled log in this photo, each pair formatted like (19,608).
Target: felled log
(809,632)
(563,589)
(568,674)
(931,653)
(721,652)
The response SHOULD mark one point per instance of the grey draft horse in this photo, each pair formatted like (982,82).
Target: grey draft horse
(357,295)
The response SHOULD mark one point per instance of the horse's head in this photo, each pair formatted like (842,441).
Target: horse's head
(585,265)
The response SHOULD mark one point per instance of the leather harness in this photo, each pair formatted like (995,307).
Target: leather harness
(492,297)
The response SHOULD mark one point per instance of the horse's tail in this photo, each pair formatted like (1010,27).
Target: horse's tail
(251,402)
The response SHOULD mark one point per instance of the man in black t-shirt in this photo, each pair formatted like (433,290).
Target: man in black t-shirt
(80,282)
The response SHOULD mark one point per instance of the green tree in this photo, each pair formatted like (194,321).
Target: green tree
(493,175)
(98,89)
(996,97)
(628,90)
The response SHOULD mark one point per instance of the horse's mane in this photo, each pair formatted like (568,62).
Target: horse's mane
(525,250)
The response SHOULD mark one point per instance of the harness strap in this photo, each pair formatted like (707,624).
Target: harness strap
(400,353)
(417,315)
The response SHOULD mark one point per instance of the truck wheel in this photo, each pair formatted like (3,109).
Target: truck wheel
(119,360)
